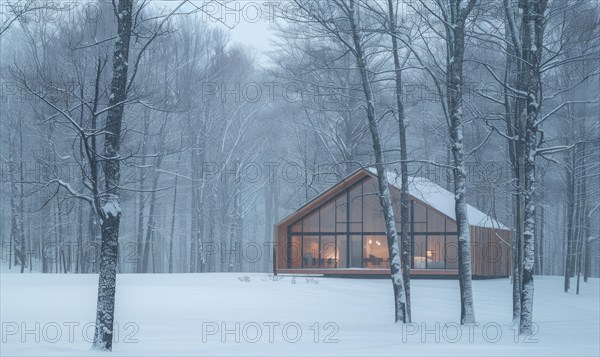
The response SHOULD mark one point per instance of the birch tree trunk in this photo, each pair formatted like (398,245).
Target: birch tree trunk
(455,55)
(382,180)
(404,238)
(513,147)
(533,25)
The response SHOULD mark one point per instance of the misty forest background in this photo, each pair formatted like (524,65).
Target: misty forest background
(220,141)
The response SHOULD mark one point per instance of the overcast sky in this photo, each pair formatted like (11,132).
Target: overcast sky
(247,21)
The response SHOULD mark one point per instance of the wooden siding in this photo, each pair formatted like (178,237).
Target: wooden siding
(490,251)
(281,247)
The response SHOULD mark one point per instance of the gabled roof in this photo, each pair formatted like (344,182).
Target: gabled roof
(419,188)
(441,199)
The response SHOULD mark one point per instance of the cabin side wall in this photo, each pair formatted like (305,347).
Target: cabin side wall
(281,248)
(490,252)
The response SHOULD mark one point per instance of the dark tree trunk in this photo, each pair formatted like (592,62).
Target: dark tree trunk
(587,265)
(198,144)
(584,232)
(22,242)
(174,210)
(110,210)
(15,231)
(142,197)
(570,217)
(79,259)
(269,219)
(194,207)
(541,231)
(150,228)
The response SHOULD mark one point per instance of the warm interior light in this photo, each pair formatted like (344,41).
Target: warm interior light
(429,254)
(370,241)
(378,242)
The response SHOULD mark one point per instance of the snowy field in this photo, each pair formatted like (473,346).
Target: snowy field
(225,314)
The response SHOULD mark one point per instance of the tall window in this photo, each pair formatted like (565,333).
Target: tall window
(327,217)
(355,198)
(451,253)
(376,254)
(341,251)
(435,252)
(311,223)
(341,213)
(310,251)
(373,219)
(435,222)
(295,252)
(329,255)
(420,252)
(356,251)
(348,231)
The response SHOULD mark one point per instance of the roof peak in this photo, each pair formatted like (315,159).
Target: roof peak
(439,198)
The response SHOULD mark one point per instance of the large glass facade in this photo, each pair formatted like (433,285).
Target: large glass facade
(348,231)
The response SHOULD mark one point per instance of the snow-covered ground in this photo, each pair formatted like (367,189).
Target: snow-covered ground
(205,314)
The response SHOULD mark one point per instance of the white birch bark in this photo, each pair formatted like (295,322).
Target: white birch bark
(382,180)
(455,54)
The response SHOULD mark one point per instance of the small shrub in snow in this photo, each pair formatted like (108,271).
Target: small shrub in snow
(311,281)
(244,279)
(272,277)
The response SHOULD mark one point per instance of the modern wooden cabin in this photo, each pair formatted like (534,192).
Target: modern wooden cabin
(341,232)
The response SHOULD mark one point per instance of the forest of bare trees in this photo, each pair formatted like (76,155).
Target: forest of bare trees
(137,137)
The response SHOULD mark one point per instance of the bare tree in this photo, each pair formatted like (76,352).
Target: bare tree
(110,210)
(393,29)
(449,83)
(340,20)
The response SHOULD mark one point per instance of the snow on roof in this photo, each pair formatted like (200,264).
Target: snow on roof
(441,199)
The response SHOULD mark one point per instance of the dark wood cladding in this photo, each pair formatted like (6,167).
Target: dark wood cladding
(490,252)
